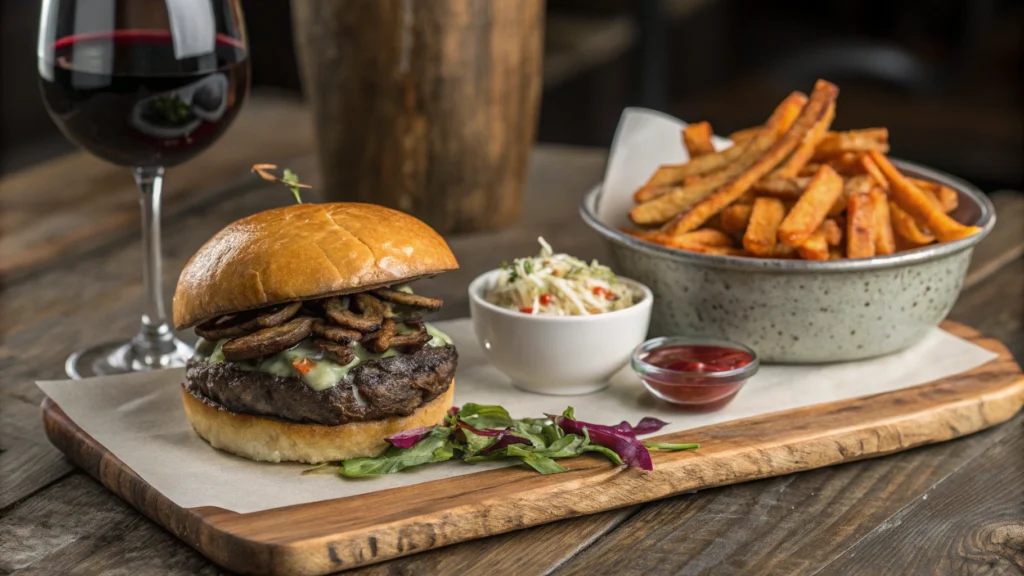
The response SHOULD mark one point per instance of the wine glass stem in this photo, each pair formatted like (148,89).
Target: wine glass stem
(155,338)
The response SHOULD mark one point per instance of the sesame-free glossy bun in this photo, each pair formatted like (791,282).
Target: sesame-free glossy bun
(302,252)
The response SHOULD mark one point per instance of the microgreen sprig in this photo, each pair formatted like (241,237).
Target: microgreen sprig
(289,179)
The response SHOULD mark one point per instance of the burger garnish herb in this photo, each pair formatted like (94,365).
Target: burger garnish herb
(479,433)
(288,178)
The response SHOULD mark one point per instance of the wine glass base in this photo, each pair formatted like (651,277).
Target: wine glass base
(120,358)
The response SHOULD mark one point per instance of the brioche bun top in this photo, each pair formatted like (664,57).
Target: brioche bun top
(303,252)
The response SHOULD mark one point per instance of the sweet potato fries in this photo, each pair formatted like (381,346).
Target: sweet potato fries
(793,188)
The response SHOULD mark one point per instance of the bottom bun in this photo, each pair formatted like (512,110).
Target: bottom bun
(270,440)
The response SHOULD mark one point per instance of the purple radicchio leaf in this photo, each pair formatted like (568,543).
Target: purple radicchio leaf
(451,418)
(484,432)
(409,438)
(625,428)
(630,450)
(648,425)
(505,439)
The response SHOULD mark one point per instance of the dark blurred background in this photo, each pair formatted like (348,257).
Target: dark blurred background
(945,76)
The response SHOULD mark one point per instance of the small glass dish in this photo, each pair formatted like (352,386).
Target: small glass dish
(695,374)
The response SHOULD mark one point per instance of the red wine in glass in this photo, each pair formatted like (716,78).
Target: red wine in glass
(124,97)
(145,84)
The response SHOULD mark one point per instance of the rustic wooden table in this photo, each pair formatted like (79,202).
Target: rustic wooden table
(69,263)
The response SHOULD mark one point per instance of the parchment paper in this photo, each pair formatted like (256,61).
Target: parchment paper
(139,418)
(644,140)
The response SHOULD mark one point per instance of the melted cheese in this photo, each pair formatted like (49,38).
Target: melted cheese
(326,373)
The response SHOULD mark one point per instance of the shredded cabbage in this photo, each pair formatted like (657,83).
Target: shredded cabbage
(552,284)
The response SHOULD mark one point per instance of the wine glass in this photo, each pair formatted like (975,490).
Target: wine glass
(146,84)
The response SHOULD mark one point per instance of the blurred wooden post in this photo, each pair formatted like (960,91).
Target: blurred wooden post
(426,106)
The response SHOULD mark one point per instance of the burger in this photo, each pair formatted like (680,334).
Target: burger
(312,345)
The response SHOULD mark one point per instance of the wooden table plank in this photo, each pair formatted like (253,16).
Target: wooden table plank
(78,527)
(568,170)
(27,461)
(714,530)
(61,208)
(787,525)
(972,523)
(1006,241)
(36,307)
(107,534)
(908,418)
(107,283)
(798,523)
(995,306)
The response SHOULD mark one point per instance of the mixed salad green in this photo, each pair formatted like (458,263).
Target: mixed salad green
(477,433)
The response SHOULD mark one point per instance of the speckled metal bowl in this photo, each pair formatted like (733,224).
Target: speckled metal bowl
(797,311)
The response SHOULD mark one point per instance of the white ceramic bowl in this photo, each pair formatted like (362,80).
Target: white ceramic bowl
(560,355)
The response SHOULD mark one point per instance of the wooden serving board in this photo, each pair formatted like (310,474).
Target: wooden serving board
(329,536)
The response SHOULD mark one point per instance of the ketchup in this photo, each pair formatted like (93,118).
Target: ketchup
(702,359)
(682,384)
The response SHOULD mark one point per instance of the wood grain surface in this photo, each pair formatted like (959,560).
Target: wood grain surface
(427,107)
(787,525)
(972,525)
(55,519)
(325,537)
(43,218)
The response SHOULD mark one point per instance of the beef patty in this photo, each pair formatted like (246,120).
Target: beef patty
(375,389)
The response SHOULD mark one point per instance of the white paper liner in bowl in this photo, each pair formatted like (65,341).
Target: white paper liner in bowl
(644,140)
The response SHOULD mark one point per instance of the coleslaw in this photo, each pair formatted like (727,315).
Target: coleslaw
(552,284)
